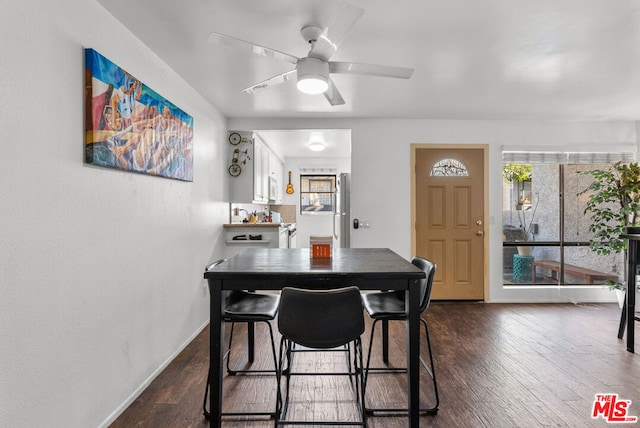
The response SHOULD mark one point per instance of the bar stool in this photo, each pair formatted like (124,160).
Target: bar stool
(247,307)
(321,320)
(390,306)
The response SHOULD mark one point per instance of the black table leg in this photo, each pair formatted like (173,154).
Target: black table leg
(630,300)
(216,347)
(412,302)
(631,311)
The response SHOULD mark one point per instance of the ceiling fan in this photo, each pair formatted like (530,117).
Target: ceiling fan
(313,71)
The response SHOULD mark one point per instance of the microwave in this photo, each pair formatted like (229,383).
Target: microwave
(273,188)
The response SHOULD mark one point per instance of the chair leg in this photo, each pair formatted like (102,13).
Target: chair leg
(432,371)
(378,369)
(349,369)
(295,349)
(358,363)
(279,372)
(429,368)
(284,354)
(282,404)
(366,370)
(229,371)
(207,414)
(233,372)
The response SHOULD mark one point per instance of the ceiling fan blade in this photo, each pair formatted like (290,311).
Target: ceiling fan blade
(232,42)
(333,95)
(275,80)
(370,69)
(333,34)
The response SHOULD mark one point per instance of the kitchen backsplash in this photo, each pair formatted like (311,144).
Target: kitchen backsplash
(288,212)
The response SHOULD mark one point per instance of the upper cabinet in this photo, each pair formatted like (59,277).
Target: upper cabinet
(276,178)
(255,169)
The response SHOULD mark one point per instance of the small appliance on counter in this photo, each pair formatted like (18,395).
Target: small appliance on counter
(245,237)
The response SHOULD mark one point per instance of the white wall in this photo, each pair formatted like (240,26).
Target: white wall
(381,177)
(100,270)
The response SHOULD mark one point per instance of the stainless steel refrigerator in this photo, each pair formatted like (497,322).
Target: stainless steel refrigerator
(342,216)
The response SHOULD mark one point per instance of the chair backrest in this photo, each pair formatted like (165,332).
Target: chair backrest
(227,295)
(321,319)
(213,264)
(426,284)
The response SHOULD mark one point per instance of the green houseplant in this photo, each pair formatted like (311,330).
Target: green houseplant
(516,174)
(613,205)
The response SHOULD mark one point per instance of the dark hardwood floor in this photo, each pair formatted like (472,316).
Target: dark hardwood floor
(497,365)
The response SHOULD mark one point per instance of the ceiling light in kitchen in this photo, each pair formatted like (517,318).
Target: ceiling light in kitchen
(316,146)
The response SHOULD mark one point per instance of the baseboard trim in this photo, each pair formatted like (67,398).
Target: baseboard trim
(117,412)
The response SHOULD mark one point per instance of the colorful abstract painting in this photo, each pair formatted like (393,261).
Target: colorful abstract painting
(130,127)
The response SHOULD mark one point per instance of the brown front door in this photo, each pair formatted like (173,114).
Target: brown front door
(449,219)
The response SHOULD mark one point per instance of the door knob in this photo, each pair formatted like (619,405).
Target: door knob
(480,232)
(479,222)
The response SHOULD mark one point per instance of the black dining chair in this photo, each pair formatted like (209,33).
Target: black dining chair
(390,306)
(320,320)
(246,307)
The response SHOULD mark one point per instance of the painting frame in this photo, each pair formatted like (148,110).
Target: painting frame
(129,126)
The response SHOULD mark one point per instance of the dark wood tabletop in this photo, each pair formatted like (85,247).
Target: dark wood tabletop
(274,268)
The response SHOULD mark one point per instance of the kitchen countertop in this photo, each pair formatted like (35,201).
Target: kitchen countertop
(255,224)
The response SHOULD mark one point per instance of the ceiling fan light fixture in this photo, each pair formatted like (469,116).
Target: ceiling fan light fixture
(313,75)
(316,146)
(312,85)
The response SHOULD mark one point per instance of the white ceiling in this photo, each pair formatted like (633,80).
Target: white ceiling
(295,143)
(488,59)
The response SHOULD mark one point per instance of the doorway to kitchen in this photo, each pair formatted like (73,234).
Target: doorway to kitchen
(311,153)
(448,216)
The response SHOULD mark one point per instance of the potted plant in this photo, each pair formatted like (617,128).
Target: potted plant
(516,175)
(619,288)
(613,205)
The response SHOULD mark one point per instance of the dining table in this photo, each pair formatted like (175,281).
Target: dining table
(262,269)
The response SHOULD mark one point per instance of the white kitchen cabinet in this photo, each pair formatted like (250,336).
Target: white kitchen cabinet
(261,172)
(257,163)
(276,174)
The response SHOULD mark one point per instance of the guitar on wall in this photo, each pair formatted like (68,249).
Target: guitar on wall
(289,186)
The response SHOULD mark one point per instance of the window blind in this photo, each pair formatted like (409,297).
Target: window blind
(567,157)
(317,170)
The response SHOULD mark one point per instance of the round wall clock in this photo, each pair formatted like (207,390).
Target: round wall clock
(235,138)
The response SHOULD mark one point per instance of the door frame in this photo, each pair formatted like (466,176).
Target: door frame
(485,160)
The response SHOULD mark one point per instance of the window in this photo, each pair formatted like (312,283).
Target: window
(545,234)
(449,168)
(317,194)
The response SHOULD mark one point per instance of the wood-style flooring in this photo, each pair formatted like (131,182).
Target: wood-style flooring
(497,365)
